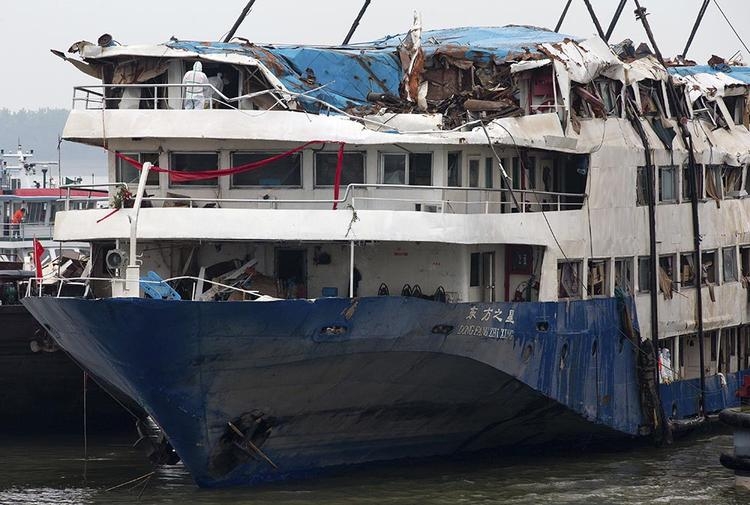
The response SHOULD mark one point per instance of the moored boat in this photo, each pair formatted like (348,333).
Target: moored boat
(444,242)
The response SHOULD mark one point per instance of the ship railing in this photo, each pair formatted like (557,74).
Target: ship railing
(399,197)
(17,232)
(160,96)
(36,288)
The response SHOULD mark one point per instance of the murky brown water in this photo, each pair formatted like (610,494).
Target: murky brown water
(49,470)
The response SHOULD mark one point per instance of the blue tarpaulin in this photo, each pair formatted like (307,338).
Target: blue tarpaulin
(739,73)
(349,73)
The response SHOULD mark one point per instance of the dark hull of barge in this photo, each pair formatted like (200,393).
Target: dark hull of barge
(44,390)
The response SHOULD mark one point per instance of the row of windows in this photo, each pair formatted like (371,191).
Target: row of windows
(395,168)
(712,181)
(675,271)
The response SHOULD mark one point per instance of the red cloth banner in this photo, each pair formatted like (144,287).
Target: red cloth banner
(200,175)
(38,251)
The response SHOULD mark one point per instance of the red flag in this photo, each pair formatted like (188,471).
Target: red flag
(38,251)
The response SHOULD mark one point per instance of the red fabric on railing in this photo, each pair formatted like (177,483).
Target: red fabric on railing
(200,175)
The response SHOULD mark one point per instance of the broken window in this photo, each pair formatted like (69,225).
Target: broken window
(414,167)
(644,274)
(473,172)
(666,275)
(732,179)
(668,183)
(729,263)
(714,182)
(624,275)
(642,183)
(127,173)
(686,178)
(709,267)
(745,261)
(598,277)
(708,111)
(352,170)
(687,270)
(454,169)
(569,279)
(286,171)
(736,106)
(194,162)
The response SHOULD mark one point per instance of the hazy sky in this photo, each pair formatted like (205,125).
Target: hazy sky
(33,78)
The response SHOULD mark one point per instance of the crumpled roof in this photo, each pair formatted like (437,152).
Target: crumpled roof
(704,80)
(483,44)
(349,73)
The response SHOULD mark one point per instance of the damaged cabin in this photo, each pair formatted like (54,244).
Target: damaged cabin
(467,165)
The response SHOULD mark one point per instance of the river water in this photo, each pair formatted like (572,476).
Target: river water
(46,470)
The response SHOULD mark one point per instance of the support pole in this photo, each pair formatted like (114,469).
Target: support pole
(615,19)
(640,14)
(239,21)
(695,27)
(133,271)
(562,16)
(351,269)
(594,19)
(356,23)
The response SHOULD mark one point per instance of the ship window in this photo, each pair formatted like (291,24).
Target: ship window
(624,275)
(474,270)
(732,179)
(394,168)
(488,170)
(454,169)
(473,172)
(516,173)
(127,173)
(352,171)
(729,263)
(709,267)
(668,183)
(686,182)
(569,279)
(598,277)
(642,186)
(713,182)
(687,270)
(667,281)
(282,172)
(420,169)
(35,212)
(644,274)
(745,261)
(194,162)
(414,167)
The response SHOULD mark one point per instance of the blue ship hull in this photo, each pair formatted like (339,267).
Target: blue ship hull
(331,382)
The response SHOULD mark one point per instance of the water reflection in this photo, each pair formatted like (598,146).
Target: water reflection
(52,472)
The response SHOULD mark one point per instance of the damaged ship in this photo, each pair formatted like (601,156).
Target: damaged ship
(436,243)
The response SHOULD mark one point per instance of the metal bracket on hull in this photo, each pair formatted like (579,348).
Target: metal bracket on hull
(241,442)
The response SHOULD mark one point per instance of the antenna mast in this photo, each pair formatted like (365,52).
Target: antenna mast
(356,23)
(239,21)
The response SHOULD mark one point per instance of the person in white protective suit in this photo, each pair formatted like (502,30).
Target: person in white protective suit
(195,81)
(217,81)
